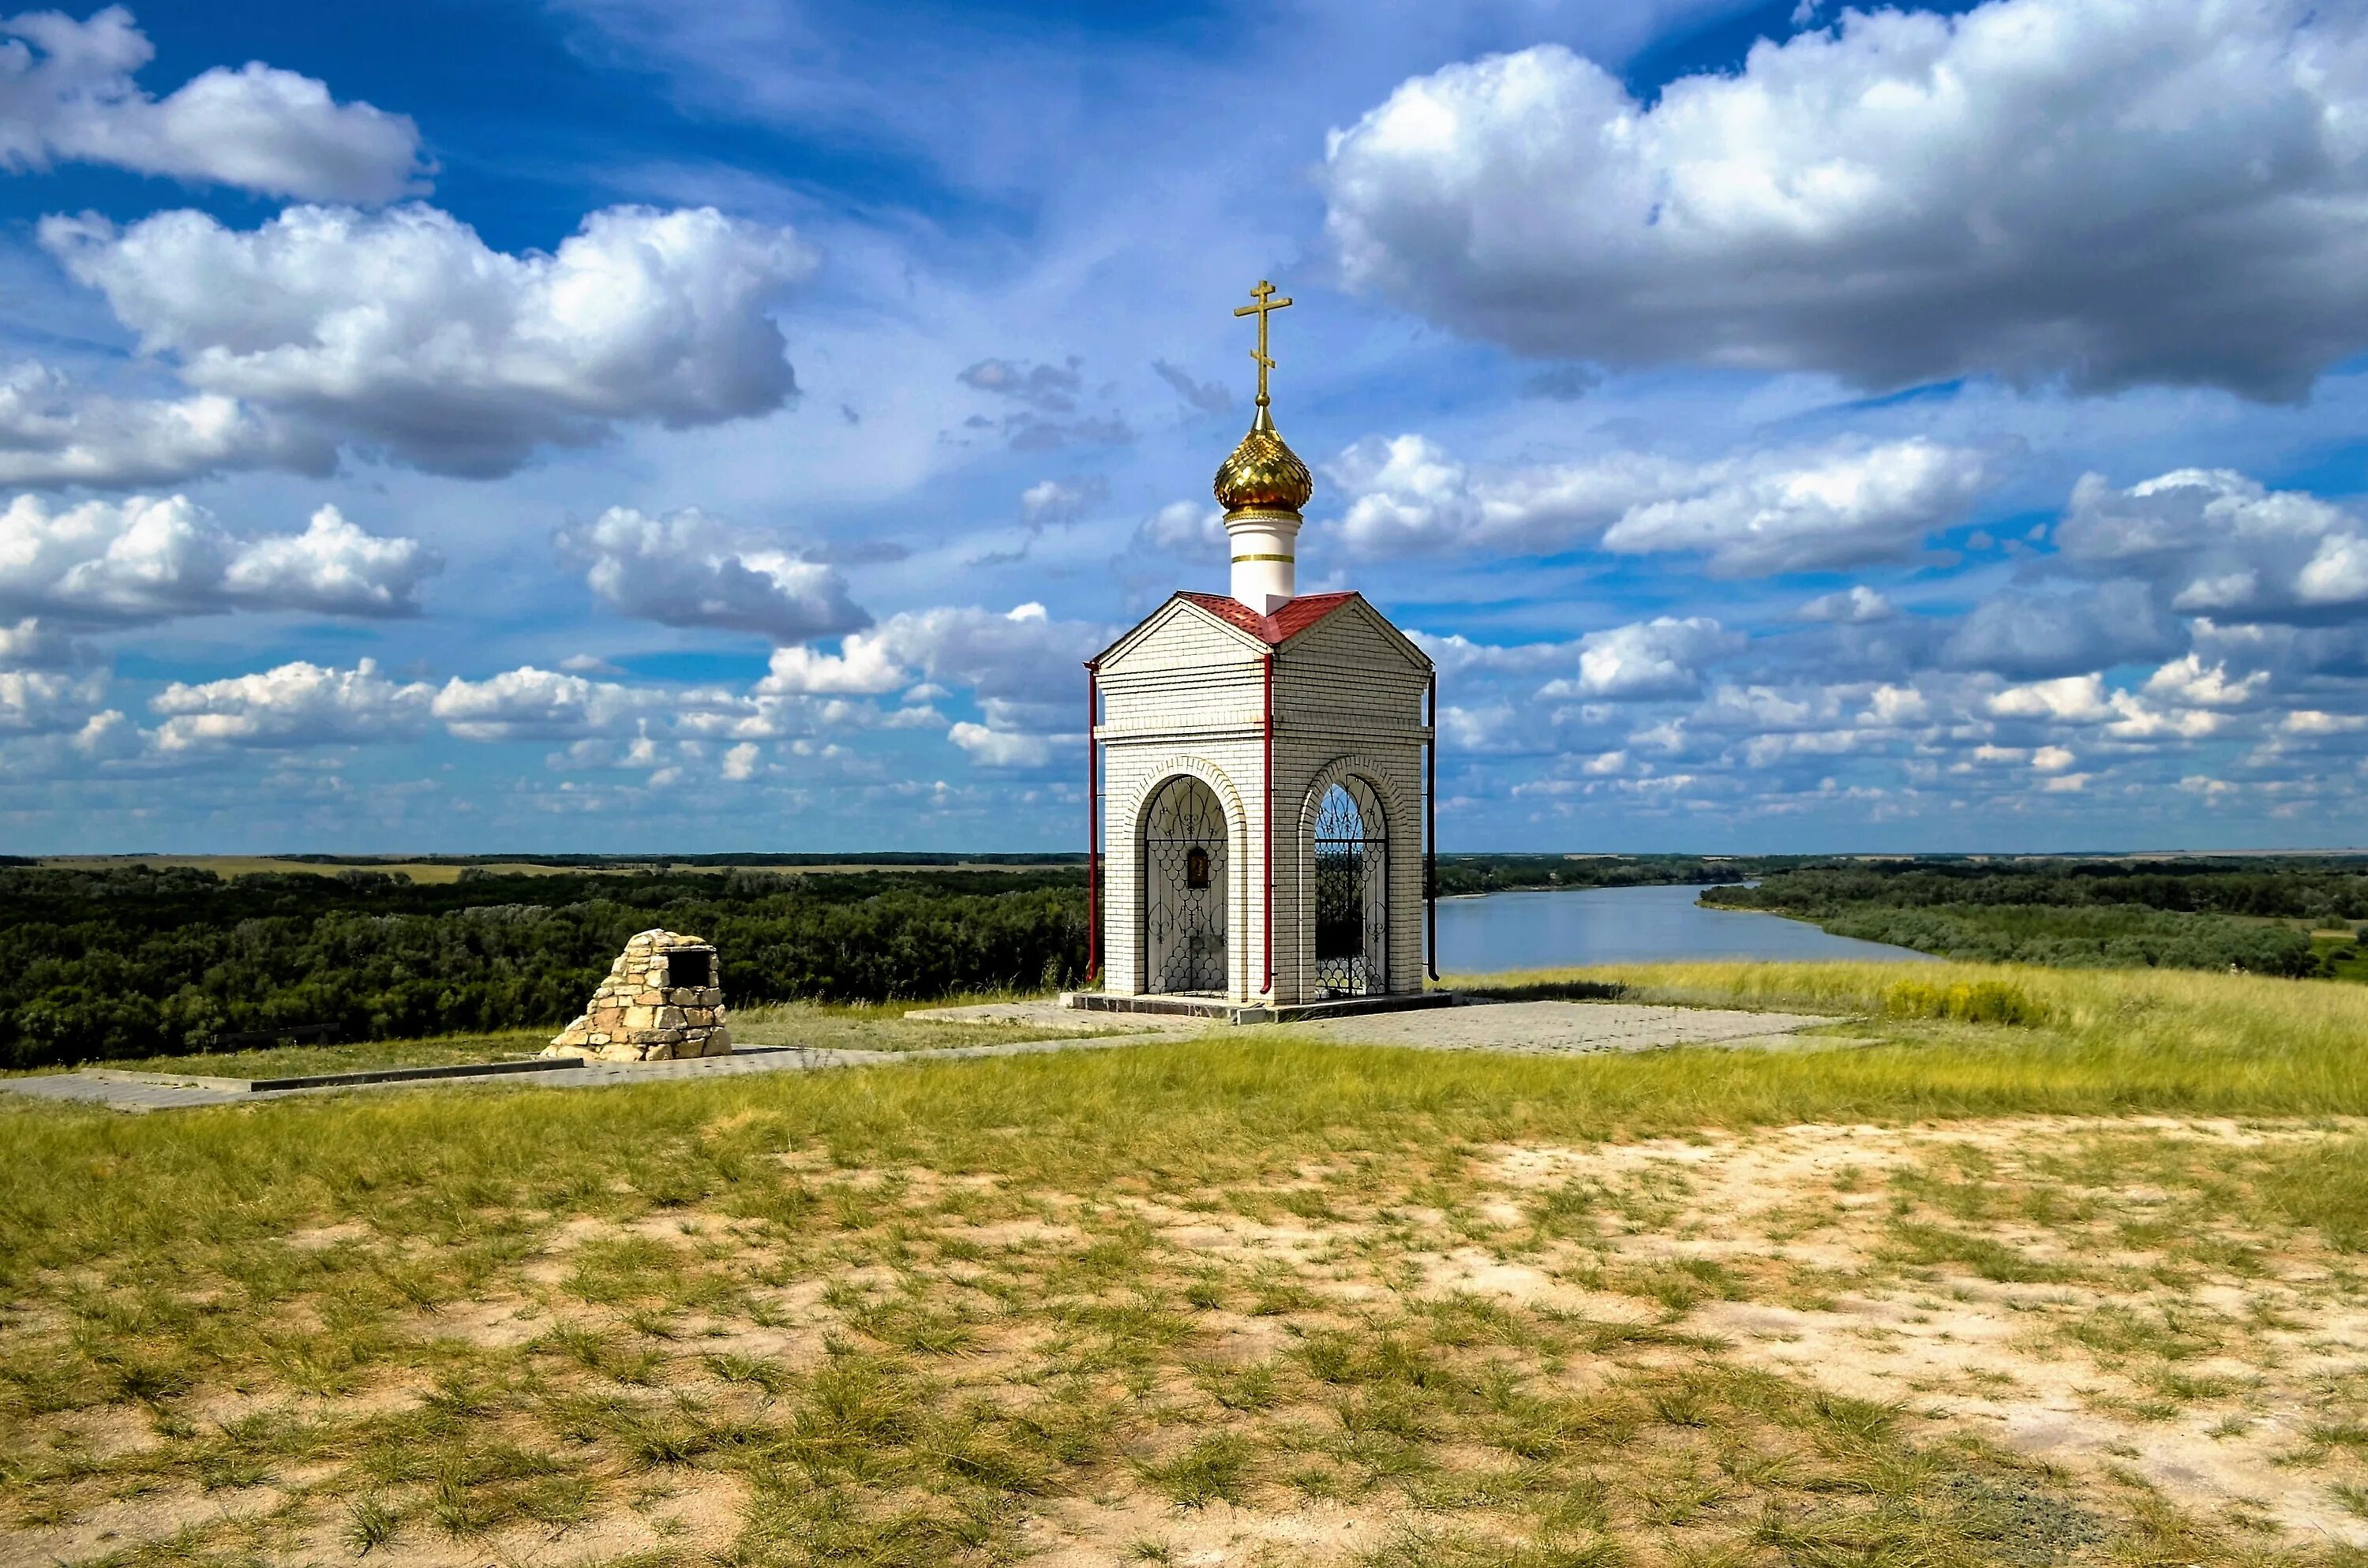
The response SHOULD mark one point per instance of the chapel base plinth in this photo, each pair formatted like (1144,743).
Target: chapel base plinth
(1219,1010)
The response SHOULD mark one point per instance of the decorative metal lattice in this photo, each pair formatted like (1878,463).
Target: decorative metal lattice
(1184,890)
(1351,906)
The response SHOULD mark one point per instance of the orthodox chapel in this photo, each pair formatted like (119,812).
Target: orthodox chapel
(1261,764)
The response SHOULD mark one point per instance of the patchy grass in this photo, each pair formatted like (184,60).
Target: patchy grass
(857,1025)
(883,1026)
(290,1061)
(2057,1289)
(2075,1041)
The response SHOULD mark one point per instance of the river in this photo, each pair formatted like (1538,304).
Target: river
(1593,925)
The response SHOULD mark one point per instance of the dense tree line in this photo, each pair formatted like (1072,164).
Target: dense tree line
(2215,914)
(137,961)
(2281,888)
(133,960)
(664,862)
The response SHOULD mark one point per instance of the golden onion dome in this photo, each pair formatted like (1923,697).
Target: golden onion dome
(1263,474)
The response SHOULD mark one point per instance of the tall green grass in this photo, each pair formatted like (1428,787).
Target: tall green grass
(2087,1039)
(74,1183)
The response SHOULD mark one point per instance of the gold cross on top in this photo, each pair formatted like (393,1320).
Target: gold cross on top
(1264,294)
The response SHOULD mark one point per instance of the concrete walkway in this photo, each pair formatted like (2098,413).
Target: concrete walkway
(1562,1029)
(1525,1028)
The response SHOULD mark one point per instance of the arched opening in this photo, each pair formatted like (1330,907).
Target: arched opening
(1351,905)
(1184,890)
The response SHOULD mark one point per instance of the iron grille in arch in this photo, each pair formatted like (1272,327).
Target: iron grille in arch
(1351,908)
(1184,889)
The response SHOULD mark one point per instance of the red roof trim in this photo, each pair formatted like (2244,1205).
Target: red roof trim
(1274,629)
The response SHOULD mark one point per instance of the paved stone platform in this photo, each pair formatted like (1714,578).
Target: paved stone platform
(1525,1028)
(1562,1029)
(1220,1010)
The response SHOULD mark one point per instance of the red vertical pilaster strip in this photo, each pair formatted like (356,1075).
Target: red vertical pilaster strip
(1268,924)
(1430,834)
(1093,829)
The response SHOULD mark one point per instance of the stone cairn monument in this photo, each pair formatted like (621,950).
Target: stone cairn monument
(663,1001)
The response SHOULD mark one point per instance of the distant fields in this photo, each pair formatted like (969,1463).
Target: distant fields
(444,870)
(430,872)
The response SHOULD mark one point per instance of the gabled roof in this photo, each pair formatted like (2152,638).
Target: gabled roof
(1295,617)
(1274,629)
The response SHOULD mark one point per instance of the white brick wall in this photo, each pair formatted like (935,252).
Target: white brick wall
(1186,697)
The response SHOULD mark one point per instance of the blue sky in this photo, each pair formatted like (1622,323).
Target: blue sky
(610,426)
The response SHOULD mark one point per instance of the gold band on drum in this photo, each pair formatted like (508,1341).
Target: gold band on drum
(1239,558)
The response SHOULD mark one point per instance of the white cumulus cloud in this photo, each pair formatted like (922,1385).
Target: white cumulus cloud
(2191,683)
(527,702)
(1663,657)
(864,667)
(1838,509)
(2072,700)
(32,701)
(1021,658)
(2110,191)
(1751,515)
(1409,495)
(1005,748)
(2032,632)
(1183,528)
(687,569)
(2216,542)
(53,433)
(400,329)
(1856,606)
(67,95)
(1051,501)
(1024,669)
(295,705)
(151,558)
(29,644)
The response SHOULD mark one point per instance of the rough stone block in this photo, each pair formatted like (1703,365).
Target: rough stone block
(635,1015)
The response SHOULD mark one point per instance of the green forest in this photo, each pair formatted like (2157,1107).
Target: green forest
(2254,914)
(128,961)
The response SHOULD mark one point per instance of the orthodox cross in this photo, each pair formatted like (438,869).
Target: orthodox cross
(1264,294)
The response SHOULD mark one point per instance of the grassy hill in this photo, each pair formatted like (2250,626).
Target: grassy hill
(2024,1267)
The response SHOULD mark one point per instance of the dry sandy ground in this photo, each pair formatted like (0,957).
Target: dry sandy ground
(2281,1353)
(2050,1285)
